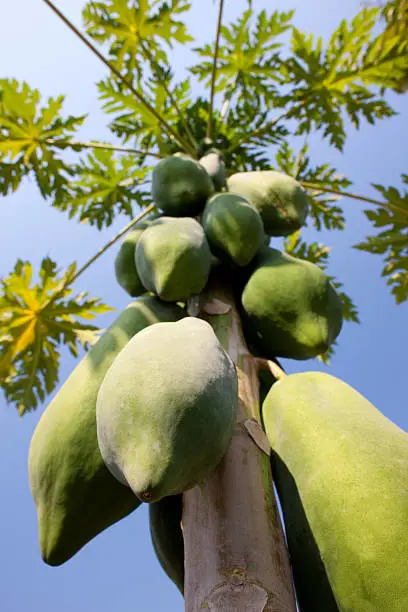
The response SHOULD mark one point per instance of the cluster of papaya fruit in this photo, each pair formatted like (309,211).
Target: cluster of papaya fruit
(150,410)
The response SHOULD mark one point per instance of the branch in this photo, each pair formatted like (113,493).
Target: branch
(258,132)
(353,196)
(99,145)
(159,68)
(227,100)
(214,71)
(117,73)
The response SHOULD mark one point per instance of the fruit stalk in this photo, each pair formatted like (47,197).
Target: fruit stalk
(235,552)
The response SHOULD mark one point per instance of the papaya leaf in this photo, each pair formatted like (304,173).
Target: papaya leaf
(26,128)
(323,211)
(123,25)
(36,318)
(328,83)
(318,254)
(248,54)
(392,241)
(105,186)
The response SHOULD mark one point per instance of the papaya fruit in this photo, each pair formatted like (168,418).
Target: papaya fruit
(213,163)
(166,408)
(341,475)
(173,258)
(125,266)
(180,186)
(167,536)
(290,309)
(279,199)
(75,494)
(233,228)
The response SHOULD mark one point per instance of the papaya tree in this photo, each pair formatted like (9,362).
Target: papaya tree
(182,403)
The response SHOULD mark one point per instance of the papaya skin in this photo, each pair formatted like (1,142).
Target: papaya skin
(214,165)
(290,309)
(173,258)
(180,186)
(279,199)
(347,464)
(75,494)
(167,537)
(233,228)
(166,409)
(125,266)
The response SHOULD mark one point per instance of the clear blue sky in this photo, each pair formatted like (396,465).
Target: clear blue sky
(118,570)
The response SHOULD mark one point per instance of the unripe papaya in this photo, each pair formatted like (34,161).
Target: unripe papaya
(233,228)
(279,199)
(290,307)
(167,536)
(173,258)
(75,494)
(180,186)
(125,265)
(166,408)
(215,167)
(342,481)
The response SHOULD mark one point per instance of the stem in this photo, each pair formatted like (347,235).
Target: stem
(227,100)
(214,70)
(99,145)
(258,132)
(353,196)
(159,68)
(116,72)
(235,553)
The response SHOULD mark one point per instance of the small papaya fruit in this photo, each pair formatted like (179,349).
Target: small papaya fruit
(180,186)
(173,258)
(166,408)
(214,165)
(233,228)
(290,309)
(75,494)
(125,265)
(341,475)
(279,199)
(167,536)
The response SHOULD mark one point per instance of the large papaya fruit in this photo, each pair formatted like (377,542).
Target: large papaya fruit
(290,307)
(125,265)
(75,494)
(233,228)
(167,536)
(279,199)
(341,474)
(166,408)
(180,186)
(173,258)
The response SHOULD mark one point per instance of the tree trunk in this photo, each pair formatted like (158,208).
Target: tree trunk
(235,553)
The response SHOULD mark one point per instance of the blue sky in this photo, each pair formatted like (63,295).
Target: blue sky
(118,570)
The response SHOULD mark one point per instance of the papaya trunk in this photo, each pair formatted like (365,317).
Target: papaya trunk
(235,553)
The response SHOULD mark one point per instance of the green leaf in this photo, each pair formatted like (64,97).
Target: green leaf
(392,241)
(25,131)
(35,320)
(123,25)
(105,186)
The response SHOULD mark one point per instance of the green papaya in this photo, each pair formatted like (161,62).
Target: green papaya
(166,408)
(233,228)
(180,186)
(125,265)
(290,309)
(279,199)
(167,536)
(342,482)
(173,258)
(75,494)
(215,167)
